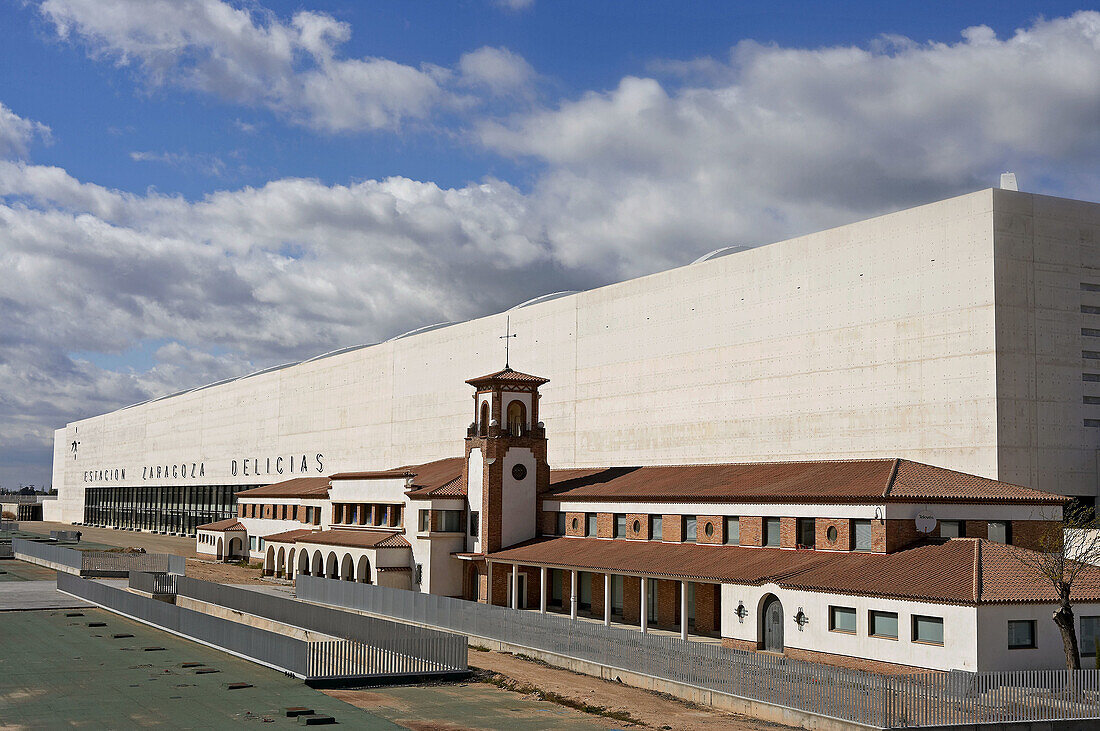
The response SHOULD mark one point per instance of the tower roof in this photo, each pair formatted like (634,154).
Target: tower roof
(508,376)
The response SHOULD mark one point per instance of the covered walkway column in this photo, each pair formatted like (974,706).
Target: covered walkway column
(573,594)
(543,572)
(683,610)
(515,586)
(607,600)
(645,605)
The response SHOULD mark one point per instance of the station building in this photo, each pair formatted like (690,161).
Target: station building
(963,334)
(879,563)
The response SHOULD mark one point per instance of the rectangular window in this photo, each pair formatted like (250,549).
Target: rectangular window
(350,514)
(425,521)
(337,513)
(1090,636)
(1000,531)
(691,528)
(560,524)
(883,624)
(1021,634)
(952,529)
(733,530)
(590,525)
(861,535)
(771,532)
(842,619)
(252,543)
(364,513)
(450,521)
(317,516)
(620,525)
(655,527)
(475,523)
(807,532)
(928,629)
(395,516)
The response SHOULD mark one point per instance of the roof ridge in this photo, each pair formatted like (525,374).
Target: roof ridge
(854,460)
(893,476)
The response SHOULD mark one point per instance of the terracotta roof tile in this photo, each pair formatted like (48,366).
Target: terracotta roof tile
(877,480)
(289,536)
(314,487)
(1004,578)
(508,376)
(222,525)
(357,539)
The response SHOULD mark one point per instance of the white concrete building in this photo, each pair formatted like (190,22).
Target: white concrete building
(964,333)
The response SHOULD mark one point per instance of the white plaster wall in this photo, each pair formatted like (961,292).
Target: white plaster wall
(879,338)
(368,491)
(1048,653)
(518,500)
(475,492)
(959,651)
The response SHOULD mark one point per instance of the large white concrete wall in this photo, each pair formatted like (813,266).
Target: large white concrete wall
(874,339)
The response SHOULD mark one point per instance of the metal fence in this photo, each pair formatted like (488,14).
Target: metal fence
(9,526)
(885,701)
(155,584)
(65,535)
(35,552)
(6,551)
(111,563)
(389,648)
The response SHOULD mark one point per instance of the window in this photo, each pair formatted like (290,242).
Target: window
(1021,634)
(425,521)
(450,521)
(1000,531)
(842,619)
(831,534)
(590,525)
(252,543)
(316,516)
(861,534)
(560,526)
(952,529)
(337,513)
(1090,636)
(807,534)
(771,532)
(483,422)
(655,527)
(620,525)
(350,514)
(309,514)
(883,624)
(928,629)
(475,523)
(733,530)
(691,529)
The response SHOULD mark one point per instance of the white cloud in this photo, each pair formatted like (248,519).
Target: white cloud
(514,5)
(16,133)
(498,69)
(210,165)
(250,56)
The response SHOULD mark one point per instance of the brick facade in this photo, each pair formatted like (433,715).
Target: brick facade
(901,533)
(878,536)
(788,532)
(752,530)
(1030,533)
(574,525)
(642,531)
(632,599)
(843,540)
(717,528)
(708,608)
(548,522)
(668,604)
(605,525)
(672,528)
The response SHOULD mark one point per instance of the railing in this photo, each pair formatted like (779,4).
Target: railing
(155,584)
(6,551)
(388,648)
(9,526)
(65,535)
(34,552)
(884,701)
(96,562)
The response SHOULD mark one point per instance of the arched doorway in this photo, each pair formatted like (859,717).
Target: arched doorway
(347,568)
(221,550)
(318,564)
(281,568)
(362,572)
(303,562)
(236,547)
(771,624)
(269,561)
(330,566)
(290,564)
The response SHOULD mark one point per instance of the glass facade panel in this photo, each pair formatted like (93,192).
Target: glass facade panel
(590,525)
(620,525)
(691,529)
(169,509)
(928,629)
(655,527)
(1021,634)
(1090,636)
(842,619)
(733,531)
(771,532)
(952,529)
(884,624)
(861,535)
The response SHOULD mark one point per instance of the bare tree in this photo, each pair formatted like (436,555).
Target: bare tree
(1061,556)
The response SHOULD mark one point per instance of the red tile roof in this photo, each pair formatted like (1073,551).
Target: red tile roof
(508,376)
(357,539)
(222,525)
(958,571)
(289,536)
(442,478)
(846,481)
(314,487)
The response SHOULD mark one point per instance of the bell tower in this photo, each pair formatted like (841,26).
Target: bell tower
(506,465)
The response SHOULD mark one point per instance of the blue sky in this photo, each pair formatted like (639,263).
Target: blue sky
(193,189)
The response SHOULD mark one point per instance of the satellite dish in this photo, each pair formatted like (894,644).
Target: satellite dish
(1008,181)
(925,521)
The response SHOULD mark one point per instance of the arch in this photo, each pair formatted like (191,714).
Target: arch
(517,418)
(362,572)
(236,548)
(483,422)
(331,566)
(269,561)
(771,623)
(303,562)
(290,564)
(221,549)
(347,568)
(318,563)
(281,569)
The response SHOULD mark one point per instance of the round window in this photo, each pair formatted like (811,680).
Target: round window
(709,529)
(574,523)
(637,527)
(831,534)
(519,472)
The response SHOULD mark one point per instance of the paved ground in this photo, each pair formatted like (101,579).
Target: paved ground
(55,672)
